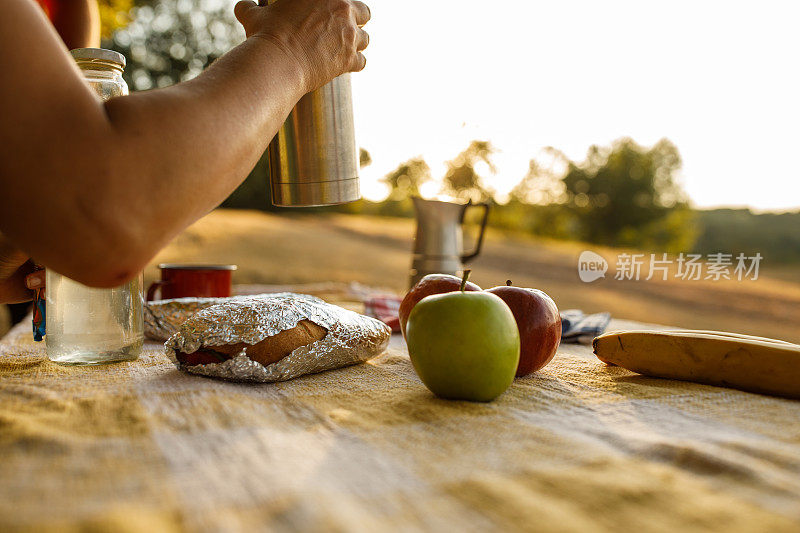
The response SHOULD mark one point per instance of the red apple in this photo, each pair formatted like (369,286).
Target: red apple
(539,325)
(430,284)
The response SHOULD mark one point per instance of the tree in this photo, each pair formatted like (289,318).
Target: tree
(621,193)
(462,180)
(543,183)
(364,159)
(627,195)
(405,181)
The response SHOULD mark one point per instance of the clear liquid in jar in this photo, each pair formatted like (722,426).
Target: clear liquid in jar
(87,325)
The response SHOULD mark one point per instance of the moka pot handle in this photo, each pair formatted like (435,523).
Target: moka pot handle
(465,258)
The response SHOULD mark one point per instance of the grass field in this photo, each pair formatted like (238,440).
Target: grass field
(291,248)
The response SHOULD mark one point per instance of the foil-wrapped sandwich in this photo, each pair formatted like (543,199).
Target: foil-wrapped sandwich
(274,338)
(162,318)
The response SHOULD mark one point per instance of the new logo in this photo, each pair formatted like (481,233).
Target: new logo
(591,266)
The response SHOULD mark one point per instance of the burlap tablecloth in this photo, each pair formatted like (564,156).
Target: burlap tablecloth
(579,446)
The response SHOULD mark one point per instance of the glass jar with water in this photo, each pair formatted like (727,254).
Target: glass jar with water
(86,325)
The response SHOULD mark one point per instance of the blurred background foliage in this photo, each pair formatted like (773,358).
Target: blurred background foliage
(463,179)
(114,15)
(622,194)
(167,41)
(407,179)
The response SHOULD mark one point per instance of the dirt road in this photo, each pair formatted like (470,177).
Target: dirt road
(294,248)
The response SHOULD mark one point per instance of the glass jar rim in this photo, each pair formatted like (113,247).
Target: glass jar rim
(100,55)
(96,66)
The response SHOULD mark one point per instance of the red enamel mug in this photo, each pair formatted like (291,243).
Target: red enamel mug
(182,281)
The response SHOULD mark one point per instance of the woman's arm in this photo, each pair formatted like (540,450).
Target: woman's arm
(78,23)
(114,182)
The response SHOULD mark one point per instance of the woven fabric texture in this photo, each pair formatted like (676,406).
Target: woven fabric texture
(578,446)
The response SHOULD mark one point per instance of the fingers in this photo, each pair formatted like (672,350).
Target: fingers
(360,62)
(361,12)
(35,280)
(362,40)
(362,37)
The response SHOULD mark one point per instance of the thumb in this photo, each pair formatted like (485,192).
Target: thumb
(35,280)
(243,10)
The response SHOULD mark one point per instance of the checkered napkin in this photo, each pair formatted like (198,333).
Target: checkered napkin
(576,326)
(384,308)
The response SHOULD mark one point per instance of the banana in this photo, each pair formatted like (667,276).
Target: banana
(727,334)
(743,362)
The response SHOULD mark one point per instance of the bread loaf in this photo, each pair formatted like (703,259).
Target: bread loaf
(266,352)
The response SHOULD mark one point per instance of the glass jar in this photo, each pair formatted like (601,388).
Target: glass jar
(103,71)
(86,325)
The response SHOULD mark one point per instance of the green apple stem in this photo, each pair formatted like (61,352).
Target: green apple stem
(464,280)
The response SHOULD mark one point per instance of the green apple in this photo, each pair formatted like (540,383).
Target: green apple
(464,345)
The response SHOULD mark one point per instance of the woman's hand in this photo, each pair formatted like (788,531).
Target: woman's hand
(17,276)
(324,37)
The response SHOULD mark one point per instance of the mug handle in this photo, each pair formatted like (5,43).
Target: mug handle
(151,290)
(472,255)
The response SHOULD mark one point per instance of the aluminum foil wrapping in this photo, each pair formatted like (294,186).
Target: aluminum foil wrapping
(352,338)
(162,318)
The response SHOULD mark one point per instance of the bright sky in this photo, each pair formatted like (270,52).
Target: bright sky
(720,79)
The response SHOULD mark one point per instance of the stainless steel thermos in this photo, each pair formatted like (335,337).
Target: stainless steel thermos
(313,160)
